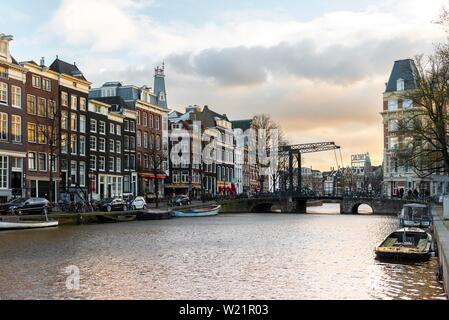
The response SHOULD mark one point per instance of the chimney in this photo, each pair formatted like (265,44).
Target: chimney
(42,62)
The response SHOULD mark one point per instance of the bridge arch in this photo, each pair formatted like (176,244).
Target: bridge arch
(265,207)
(366,206)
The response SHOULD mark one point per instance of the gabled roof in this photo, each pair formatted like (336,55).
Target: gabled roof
(242,124)
(405,70)
(206,110)
(67,68)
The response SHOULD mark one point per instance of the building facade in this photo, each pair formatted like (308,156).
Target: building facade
(400,180)
(74,151)
(12,128)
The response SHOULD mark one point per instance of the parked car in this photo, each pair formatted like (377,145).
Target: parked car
(139,203)
(113,205)
(182,200)
(21,206)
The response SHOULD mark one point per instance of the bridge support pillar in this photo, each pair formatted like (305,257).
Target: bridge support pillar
(300,206)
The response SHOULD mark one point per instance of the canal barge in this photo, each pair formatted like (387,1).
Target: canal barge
(406,244)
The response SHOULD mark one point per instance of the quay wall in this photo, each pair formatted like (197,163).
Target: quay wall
(441,238)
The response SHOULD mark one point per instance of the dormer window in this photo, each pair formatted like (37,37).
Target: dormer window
(400,85)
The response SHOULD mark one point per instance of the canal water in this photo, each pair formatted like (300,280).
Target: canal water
(321,255)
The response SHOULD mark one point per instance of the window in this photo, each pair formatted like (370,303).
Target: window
(393,125)
(145,119)
(118,164)
(111,164)
(93,162)
(73,122)
(31,129)
(64,142)
(16,128)
(118,146)
(73,143)
(3,126)
(111,128)
(51,109)
(41,107)
(53,163)
(145,161)
(126,125)
(111,145)
(82,168)
(73,173)
(93,125)
(132,143)
(139,138)
(393,143)
(93,143)
(400,85)
(102,144)
(64,120)
(126,143)
(64,99)
(392,105)
(74,102)
(82,145)
(42,160)
(46,84)
(118,129)
(36,81)
(138,117)
(3,92)
(102,127)
(101,163)
(83,123)
(3,172)
(132,162)
(407,104)
(158,122)
(158,142)
(32,161)
(132,126)
(145,140)
(31,104)
(151,121)
(16,97)
(83,104)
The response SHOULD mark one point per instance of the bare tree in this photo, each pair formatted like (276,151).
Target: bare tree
(48,134)
(156,161)
(422,127)
(265,122)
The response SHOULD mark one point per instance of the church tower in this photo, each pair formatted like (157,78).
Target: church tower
(159,86)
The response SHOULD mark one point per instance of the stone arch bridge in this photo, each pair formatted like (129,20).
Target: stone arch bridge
(348,205)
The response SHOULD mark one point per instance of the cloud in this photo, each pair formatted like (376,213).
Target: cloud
(337,64)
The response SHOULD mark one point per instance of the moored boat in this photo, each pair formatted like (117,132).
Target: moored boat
(406,244)
(199,212)
(415,215)
(147,215)
(17,225)
(123,218)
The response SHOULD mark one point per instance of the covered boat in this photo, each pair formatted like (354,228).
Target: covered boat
(199,212)
(415,215)
(406,244)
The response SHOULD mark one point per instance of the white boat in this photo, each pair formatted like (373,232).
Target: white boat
(415,216)
(200,212)
(14,223)
(27,225)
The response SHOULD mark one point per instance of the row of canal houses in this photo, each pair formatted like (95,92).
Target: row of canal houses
(62,139)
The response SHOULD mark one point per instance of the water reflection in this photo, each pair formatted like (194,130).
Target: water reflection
(271,256)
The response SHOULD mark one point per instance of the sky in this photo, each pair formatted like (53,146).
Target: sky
(317,67)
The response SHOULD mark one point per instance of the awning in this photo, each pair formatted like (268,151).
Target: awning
(152,176)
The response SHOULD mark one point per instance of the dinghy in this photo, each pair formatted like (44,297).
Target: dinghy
(406,244)
(200,212)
